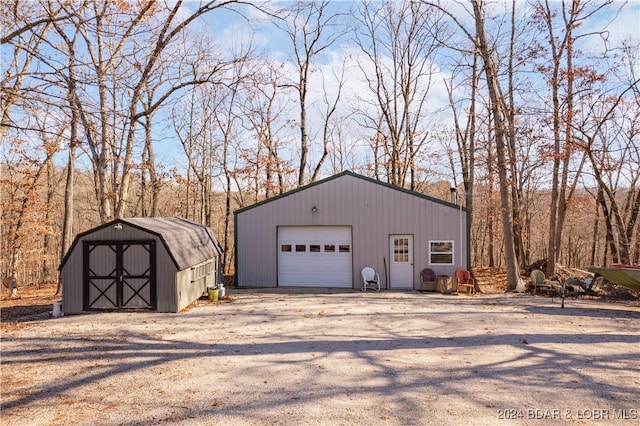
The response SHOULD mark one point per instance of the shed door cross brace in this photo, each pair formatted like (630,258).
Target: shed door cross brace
(119,274)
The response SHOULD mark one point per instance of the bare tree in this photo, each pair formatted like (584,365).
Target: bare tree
(465,133)
(396,39)
(47,94)
(126,48)
(24,215)
(149,169)
(328,119)
(67,75)
(192,118)
(31,25)
(312,29)
(499,112)
(498,109)
(226,119)
(265,112)
(613,152)
(562,73)
(342,155)
(517,194)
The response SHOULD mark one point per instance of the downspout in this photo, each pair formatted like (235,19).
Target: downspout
(235,250)
(454,200)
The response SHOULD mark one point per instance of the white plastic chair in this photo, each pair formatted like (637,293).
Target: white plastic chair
(370,279)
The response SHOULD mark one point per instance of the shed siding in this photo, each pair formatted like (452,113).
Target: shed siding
(174,289)
(189,290)
(166,272)
(71,279)
(72,273)
(373,210)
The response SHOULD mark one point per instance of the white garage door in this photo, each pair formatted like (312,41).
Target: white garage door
(314,256)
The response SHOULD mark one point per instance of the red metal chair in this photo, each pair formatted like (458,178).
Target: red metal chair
(463,277)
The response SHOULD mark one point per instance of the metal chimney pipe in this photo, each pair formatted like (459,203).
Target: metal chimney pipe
(454,195)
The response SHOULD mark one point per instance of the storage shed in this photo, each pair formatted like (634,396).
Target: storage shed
(323,234)
(161,264)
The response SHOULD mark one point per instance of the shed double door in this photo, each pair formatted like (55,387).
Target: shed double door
(119,275)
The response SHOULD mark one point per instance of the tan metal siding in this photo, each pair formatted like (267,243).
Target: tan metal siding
(374,211)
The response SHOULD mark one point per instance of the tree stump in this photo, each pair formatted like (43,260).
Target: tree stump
(10,283)
(444,284)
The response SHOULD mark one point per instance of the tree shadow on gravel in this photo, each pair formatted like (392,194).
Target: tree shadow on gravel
(134,352)
(77,359)
(585,312)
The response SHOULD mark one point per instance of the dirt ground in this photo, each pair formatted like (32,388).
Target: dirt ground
(291,357)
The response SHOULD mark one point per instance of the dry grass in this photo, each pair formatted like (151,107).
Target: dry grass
(33,301)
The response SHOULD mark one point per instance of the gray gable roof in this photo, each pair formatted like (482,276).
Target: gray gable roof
(188,243)
(358,176)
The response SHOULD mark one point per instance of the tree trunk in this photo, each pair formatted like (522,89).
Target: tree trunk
(497,109)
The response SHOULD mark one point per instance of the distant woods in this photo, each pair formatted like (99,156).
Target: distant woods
(115,109)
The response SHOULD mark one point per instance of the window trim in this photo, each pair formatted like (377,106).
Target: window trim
(431,253)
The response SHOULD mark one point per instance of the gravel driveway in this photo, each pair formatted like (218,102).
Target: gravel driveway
(345,358)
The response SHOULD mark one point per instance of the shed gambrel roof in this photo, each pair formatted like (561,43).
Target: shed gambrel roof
(355,175)
(188,243)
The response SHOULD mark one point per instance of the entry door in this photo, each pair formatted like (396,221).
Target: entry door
(401,255)
(119,275)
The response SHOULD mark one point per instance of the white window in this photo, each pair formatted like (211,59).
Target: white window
(441,252)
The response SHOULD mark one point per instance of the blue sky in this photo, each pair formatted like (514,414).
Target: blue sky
(228,27)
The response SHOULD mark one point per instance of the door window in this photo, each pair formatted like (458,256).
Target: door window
(401,250)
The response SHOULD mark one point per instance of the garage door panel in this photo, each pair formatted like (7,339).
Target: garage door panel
(305,270)
(314,256)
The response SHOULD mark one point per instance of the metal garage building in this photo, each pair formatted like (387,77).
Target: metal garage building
(322,234)
(160,264)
